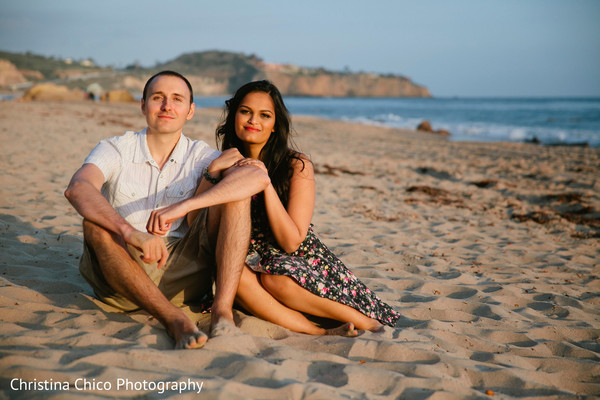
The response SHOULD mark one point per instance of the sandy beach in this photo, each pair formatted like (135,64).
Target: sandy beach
(490,251)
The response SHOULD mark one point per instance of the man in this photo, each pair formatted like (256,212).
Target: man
(134,191)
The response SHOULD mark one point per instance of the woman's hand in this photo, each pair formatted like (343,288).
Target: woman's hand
(161,220)
(253,162)
(226,160)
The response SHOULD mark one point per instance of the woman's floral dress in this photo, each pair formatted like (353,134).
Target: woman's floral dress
(314,267)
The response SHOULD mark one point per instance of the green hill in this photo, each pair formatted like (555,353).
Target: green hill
(219,73)
(47,66)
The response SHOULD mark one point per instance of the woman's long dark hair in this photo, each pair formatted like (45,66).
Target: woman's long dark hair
(277,154)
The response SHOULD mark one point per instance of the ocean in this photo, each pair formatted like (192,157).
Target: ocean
(551,121)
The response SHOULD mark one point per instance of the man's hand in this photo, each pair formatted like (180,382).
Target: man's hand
(153,247)
(161,220)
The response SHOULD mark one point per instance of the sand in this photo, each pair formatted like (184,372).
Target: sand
(490,251)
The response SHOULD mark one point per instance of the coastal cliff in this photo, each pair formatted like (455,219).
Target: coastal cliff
(211,73)
(228,71)
(320,83)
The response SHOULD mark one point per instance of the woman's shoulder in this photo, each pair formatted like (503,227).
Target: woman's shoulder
(302,164)
(297,156)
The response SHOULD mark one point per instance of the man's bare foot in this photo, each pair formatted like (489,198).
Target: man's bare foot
(186,334)
(224,327)
(222,324)
(346,330)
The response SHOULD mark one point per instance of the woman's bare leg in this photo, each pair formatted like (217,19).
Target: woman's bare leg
(287,291)
(254,298)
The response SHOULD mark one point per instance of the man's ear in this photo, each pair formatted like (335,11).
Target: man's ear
(143,106)
(191,112)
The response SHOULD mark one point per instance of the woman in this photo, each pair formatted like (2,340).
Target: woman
(290,271)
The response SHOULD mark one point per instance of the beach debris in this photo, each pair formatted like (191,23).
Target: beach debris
(485,183)
(431,191)
(539,217)
(567,197)
(490,392)
(327,169)
(570,206)
(436,195)
(425,126)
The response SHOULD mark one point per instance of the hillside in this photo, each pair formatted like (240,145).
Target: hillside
(40,67)
(231,70)
(212,73)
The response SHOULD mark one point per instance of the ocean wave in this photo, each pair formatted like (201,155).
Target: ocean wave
(552,121)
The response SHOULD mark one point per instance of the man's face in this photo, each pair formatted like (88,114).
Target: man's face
(167,105)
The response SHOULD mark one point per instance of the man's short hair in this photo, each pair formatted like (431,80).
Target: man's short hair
(168,73)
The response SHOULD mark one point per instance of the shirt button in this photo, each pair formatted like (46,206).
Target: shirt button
(181,193)
(132,194)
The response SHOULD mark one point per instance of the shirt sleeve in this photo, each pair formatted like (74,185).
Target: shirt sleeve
(210,156)
(107,158)
(204,155)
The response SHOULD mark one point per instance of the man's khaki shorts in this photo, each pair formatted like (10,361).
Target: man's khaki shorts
(186,279)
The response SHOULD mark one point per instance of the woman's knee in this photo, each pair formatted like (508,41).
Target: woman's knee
(277,285)
(247,286)
(248,281)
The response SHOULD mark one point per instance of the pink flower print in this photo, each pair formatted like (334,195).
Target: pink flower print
(302,279)
(353,292)
(325,272)
(322,288)
(315,262)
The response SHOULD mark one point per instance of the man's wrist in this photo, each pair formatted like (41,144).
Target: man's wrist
(214,180)
(126,231)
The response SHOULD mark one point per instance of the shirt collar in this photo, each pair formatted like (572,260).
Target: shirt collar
(180,150)
(142,152)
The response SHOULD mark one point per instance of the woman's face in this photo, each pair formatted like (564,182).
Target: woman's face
(255,119)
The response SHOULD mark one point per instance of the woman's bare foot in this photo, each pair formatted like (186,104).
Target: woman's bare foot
(376,327)
(346,330)
(186,334)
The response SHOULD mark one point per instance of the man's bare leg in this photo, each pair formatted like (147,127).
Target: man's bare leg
(128,278)
(230,224)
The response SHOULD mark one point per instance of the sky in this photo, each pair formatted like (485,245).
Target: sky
(464,48)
